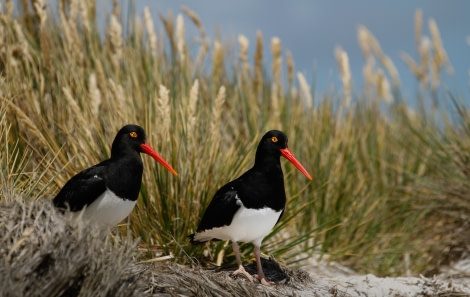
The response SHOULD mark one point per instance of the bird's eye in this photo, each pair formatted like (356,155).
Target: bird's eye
(274,139)
(133,134)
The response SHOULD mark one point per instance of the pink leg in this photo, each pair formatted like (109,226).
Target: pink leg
(240,269)
(260,274)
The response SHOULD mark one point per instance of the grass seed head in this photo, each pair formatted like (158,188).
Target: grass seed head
(345,74)
(440,54)
(95,95)
(305,90)
(418,27)
(195,19)
(152,37)
(244,44)
(164,111)
(276,51)
(191,116)
(115,40)
(180,37)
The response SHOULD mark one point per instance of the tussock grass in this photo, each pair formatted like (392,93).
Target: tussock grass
(382,171)
(44,253)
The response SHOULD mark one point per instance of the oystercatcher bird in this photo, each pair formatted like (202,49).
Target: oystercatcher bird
(108,191)
(247,208)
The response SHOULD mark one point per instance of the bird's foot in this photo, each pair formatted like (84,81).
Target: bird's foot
(263,280)
(242,270)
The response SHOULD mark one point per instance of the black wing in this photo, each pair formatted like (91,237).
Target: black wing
(82,189)
(221,209)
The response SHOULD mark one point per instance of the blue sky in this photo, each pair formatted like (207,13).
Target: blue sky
(311,29)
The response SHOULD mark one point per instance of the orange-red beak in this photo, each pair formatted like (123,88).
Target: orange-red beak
(146,148)
(289,156)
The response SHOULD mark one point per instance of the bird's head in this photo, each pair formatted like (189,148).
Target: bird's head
(275,142)
(133,137)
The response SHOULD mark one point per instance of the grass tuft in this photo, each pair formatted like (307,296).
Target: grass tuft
(44,253)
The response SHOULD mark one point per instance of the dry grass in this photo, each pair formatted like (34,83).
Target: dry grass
(381,170)
(44,253)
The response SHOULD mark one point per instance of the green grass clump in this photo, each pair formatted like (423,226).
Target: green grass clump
(387,179)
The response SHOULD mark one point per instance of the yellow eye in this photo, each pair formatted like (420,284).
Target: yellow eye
(274,139)
(133,134)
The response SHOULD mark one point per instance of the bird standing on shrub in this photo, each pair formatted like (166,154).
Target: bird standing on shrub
(247,208)
(108,191)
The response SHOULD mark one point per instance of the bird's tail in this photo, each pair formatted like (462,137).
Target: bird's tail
(195,241)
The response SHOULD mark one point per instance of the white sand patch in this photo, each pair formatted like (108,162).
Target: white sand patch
(370,285)
(335,280)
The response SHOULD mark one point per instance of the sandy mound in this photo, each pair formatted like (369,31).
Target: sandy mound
(169,279)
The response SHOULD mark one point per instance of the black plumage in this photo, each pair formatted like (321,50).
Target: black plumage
(247,208)
(120,176)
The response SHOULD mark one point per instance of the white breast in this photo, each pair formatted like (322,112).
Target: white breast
(248,225)
(108,210)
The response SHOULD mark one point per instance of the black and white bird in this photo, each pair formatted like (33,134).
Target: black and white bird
(247,208)
(108,191)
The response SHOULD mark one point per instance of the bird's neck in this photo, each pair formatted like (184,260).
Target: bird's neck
(127,171)
(270,180)
(120,150)
(270,165)
(264,159)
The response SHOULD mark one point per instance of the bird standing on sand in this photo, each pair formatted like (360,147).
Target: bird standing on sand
(109,190)
(247,208)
